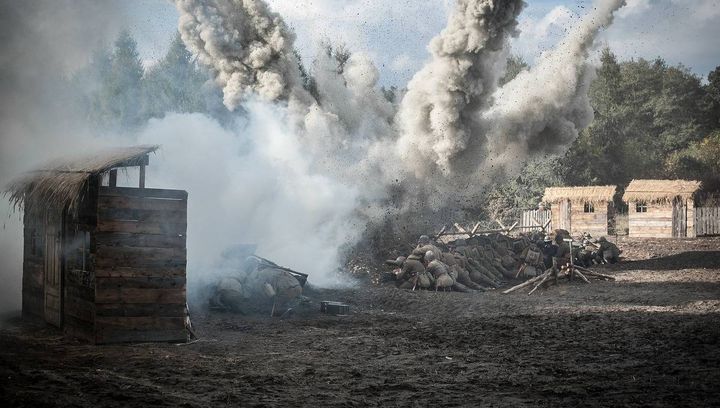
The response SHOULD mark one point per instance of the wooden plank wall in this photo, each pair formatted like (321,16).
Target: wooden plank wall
(707,221)
(33,262)
(530,216)
(691,219)
(79,269)
(594,223)
(140,265)
(655,223)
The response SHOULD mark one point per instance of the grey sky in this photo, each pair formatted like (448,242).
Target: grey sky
(396,32)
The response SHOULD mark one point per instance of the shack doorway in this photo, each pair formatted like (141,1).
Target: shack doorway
(52,268)
(679,218)
(564,215)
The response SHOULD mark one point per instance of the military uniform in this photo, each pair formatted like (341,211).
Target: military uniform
(413,274)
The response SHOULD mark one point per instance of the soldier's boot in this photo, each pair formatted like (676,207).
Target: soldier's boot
(461,288)
(465,280)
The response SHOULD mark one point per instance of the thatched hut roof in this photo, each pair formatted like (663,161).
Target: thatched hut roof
(660,190)
(592,194)
(60,182)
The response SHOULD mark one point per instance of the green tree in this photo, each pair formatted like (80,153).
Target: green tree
(507,200)
(111,85)
(712,99)
(174,84)
(645,111)
(123,86)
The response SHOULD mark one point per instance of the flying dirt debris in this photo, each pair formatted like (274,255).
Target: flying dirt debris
(256,284)
(486,262)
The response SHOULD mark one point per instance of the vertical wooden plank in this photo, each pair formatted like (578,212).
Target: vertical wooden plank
(142,176)
(698,222)
(113,178)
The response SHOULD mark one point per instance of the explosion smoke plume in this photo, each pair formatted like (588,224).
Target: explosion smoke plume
(454,130)
(248,47)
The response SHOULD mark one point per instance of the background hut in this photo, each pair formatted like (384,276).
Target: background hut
(661,208)
(102,262)
(581,209)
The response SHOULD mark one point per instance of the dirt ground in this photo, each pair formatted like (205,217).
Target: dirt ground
(651,338)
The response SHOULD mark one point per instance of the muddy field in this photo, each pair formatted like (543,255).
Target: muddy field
(651,338)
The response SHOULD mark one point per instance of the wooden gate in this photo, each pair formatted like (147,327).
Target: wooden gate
(679,218)
(536,220)
(564,215)
(707,221)
(52,268)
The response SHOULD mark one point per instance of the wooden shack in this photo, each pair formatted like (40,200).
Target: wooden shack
(581,209)
(661,208)
(104,263)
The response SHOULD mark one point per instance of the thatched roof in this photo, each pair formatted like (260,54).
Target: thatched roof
(591,194)
(660,190)
(60,182)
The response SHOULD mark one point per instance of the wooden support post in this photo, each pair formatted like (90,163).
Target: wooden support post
(113,178)
(442,231)
(142,176)
(475,228)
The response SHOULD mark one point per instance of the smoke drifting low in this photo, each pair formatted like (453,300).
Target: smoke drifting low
(42,41)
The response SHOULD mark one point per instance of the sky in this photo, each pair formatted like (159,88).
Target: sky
(395,33)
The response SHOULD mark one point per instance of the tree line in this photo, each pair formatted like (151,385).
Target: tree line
(651,119)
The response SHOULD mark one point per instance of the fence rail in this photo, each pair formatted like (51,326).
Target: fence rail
(536,220)
(707,221)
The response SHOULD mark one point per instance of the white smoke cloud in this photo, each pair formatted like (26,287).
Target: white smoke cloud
(42,42)
(251,185)
(249,47)
(467,61)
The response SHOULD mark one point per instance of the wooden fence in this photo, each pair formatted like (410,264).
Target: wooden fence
(536,220)
(707,221)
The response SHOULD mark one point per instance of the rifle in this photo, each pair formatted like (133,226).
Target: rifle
(301,277)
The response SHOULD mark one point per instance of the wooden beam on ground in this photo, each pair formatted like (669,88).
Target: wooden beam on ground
(475,228)
(460,228)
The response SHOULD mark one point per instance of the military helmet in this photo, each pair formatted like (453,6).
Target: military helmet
(424,240)
(429,256)
(601,239)
(397,262)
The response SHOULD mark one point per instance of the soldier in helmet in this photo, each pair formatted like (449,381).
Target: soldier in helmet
(549,250)
(562,257)
(413,274)
(257,283)
(424,245)
(442,275)
(607,251)
(459,272)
